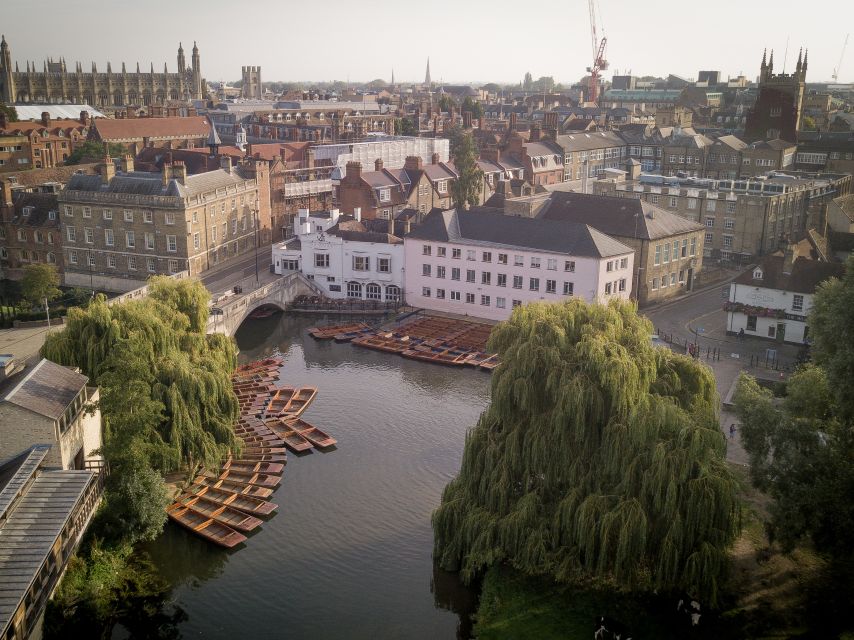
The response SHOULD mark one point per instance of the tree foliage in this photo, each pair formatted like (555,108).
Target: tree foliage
(801,451)
(93,151)
(406,126)
(599,457)
(466,188)
(11,114)
(40,281)
(446,103)
(469,104)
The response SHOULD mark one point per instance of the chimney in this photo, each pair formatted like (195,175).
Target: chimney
(167,171)
(536,132)
(413,163)
(107,170)
(7,194)
(353,170)
(378,164)
(434,159)
(46,118)
(225,163)
(179,171)
(467,119)
(357,213)
(127,163)
(309,157)
(512,127)
(84,117)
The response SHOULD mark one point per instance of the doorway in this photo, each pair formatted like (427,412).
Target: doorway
(781,332)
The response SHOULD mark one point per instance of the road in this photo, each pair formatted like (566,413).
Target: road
(222,279)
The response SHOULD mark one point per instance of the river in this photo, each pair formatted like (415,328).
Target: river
(348,554)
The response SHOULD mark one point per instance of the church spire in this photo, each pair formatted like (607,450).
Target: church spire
(427,80)
(798,65)
(764,53)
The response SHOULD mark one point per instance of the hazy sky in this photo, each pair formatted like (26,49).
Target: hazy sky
(467,40)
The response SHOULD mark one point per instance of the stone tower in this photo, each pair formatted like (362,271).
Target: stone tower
(182,62)
(252,88)
(427,80)
(197,71)
(778,108)
(7,83)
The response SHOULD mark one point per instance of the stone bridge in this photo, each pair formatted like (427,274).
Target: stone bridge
(230,310)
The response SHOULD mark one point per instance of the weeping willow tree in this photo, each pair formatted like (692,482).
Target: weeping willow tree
(166,397)
(599,457)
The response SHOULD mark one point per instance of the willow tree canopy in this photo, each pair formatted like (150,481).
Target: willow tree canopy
(600,456)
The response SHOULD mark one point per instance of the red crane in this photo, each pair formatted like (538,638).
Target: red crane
(599,61)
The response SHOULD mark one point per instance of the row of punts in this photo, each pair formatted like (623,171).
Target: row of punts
(224,505)
(438,340)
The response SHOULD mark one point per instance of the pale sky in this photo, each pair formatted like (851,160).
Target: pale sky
(466,40)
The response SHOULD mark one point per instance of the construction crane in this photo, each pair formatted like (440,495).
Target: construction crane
(599,61)
(835,75)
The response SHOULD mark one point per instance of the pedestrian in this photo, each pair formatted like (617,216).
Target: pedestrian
(732,430)
(741,334)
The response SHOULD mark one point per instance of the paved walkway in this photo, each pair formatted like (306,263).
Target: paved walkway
(23,343)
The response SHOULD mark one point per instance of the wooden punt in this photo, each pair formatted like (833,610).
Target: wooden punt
(234,486)
(263,451)
(247,504)
(445,356)
(255,437)
(273,468)
(388,345)
(262,457)
(303,397)
(490,364)
(330,331)
(477,358)
(229,516)
(205,527)
(274,361)
(311,433)
(280,399)
(294,440)
(260,479)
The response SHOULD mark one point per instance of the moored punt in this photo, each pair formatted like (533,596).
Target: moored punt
(445,356)
(292,438)
(383,343)
(311,433)
(490,363)
(477,358)
(260,479)
(254,467)
(280,399)
(262,457)
(303,397)
(347,336)
(247,504)
(330,331)
(204,526)
(234,486)
(229,516)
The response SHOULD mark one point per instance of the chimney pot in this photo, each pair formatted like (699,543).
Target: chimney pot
(46,118)
(434,159)
(225,163)
(378,164)
(127,163)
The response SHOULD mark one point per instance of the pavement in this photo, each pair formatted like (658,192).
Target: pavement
(700,317)
(23,343)
(222,278)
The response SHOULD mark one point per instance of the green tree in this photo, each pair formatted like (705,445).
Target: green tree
(474,106)
(544,83)
(92,151)
(135,505)
(808,123)
(466,188)
(406,127)
(801,452)
(40,281)
(11,114)
(491,87)
(599,458)
(446,103)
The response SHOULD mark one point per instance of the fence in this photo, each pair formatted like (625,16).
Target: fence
(770,360)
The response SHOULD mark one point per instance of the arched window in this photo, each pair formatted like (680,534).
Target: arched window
(118,100)
(373,292)
(392,293)
(354,290)
(51,258)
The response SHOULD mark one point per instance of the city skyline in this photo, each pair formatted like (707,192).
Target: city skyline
(481,36)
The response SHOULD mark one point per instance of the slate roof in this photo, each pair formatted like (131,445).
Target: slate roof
(587,141)
(777,144)
(732,142)
(32,525)
(158,128)
(41,205)
(535,234)
(35,177)
(151,184)
(846,204)
(805,276)
(616,216)
(47,389)
(353,231)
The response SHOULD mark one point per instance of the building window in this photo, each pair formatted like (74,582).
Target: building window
(456,253)
(440,272)
(517,282)
(710,205)
(173,266)
(469,298)
(730,207)
(673,201)
(131,263)
(484,301)
(68,210)
(170,217)
(486,256)
(90,258)
(426,250)
(657,260)
(171,244)
(384,265)
(502,258)
(455,273)
(534,284)
(87,212)
(392,293)
(373,291)
(518,261)
(196,240)
(150,264)
(654,284)
(516,303)
(710,222)
(797,303)
(470,275)
(442,186)
(89,235)
(551,286)
(71,234)
(471,254)
(354,289)
(108,214)
(684,253)
(363,263)
(751,323)
(321,261)
(622,284)
(693,246)
(128,215)
(425,270)
(149,241)
(666,252)
(673,279)
(569,266)
(568,288)
(500,303)
(72,257)
(535,263)
(607,288)
(440,294)
(772,331)
(729,223)
(455,296)
(501,280)
(485,277)
(609,266)
(709,238)
(727,242)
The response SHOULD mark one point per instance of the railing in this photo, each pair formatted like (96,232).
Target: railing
(142,291)
(304,303)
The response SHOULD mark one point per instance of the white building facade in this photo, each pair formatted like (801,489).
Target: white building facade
(343,256)
(484,264)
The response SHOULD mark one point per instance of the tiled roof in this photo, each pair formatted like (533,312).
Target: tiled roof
(624,217)
(35,177)
(157,128)
(536,234)
(732,142)
(353,231)
(26,127)
(41,205)
(47,389)
(805,276)
(587,141)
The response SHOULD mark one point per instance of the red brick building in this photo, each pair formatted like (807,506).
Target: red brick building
(43,143)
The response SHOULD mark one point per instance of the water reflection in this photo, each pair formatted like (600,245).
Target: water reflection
(451,594)
(183,558)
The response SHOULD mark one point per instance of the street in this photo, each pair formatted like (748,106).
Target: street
(221,279)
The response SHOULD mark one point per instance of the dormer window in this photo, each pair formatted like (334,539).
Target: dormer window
(757,274)
(27,211)
(385,195)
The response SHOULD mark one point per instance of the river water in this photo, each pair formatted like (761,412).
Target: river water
(348,554)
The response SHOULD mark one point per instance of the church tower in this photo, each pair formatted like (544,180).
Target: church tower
(7,82)
(197,74)
(182,62)
(779,106)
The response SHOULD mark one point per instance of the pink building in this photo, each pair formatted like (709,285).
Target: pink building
(484,264)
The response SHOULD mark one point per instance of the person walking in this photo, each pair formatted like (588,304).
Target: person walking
(732,430)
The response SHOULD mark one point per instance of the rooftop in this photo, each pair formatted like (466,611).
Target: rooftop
(157,128)
(805,274)
(47,389)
